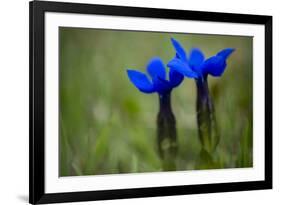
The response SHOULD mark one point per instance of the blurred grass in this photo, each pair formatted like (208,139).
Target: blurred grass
(107,126)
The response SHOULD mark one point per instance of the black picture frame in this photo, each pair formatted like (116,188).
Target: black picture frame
(37,9)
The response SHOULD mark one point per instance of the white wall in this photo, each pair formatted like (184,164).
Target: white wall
(14,100)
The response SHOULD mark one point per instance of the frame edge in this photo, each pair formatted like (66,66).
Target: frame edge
(268,102)
(36,102)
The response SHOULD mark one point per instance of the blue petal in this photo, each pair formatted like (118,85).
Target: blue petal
(179,49)
(175,78)
(161,85)
(196,58)
(156,68)
(141,81)
(182,68)
(225,53)
(214,66)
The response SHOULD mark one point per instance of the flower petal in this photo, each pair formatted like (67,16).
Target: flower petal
(225,53)
(214,65)
(182,68)
(196,58)
(217,64)
(179,49)
(141,81)
(175,78)
(156,68)
(161,85)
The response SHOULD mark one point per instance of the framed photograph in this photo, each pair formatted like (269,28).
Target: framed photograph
(141,102)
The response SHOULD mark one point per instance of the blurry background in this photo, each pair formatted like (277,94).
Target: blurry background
(107,126)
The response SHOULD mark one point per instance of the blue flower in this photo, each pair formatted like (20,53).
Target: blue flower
(158,82)
(195,65)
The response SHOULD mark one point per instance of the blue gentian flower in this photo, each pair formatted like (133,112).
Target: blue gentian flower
(195,65)
(158,82)
(166,121)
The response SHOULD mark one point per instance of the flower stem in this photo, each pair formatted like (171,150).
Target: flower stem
(206,120)
(205,160)
(166,133)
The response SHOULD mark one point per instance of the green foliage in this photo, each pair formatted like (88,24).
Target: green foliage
(108,127)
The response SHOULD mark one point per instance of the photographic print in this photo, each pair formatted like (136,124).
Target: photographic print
(129,102)
(136,102)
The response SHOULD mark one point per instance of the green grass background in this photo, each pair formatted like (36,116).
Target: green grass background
(107,126)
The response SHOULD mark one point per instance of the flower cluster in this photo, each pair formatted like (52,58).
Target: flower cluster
(193,66)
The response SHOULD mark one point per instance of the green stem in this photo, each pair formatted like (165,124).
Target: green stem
(205,160)
(166,133)
(206,120)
